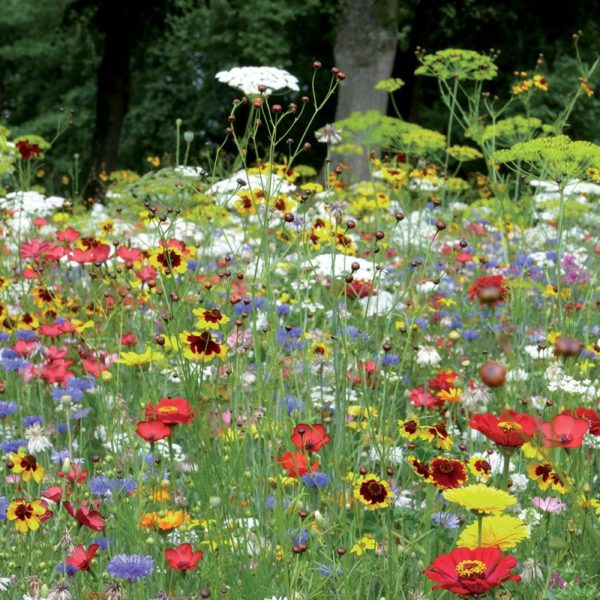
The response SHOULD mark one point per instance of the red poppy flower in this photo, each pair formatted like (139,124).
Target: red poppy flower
(310,438)
(53,493)
(420,397)
(471,572)
(489,290)
(152,431)
(565,431)
(442,382)
(86,517)
(183,558)
(590,415)
(510,430)
(75,475)
(296,464)
(447,473)
(81,558)
(171,411)
(27,149)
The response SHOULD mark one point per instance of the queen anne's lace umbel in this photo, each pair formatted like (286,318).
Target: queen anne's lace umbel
(248,80)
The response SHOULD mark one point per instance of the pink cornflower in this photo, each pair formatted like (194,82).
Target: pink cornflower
(550,504)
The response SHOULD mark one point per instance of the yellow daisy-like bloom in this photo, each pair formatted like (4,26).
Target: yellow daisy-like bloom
(209,318)
(25,464)
(25,514)
(164,520)
(453,395)
(502,531)
(168,260)
(409,429)
(373,492)
(546,477)
(480,498)
(480,467)
(133,359)
(202,346)
(437,433)
(366,542)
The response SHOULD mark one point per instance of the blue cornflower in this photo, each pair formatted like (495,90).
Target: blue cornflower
(130,566)
(26,335)
(11,361)
(4,503)
(389,359)
(32,420)
(105,486)
(8,446)
(58,457)
(470,334)
(103,542)
(289,338)
(315,480)
(299,537)
(4,337)
(283,310)
(291,404)
(68,569)
(7,408)
(421,322)
(329,571)
(446,520)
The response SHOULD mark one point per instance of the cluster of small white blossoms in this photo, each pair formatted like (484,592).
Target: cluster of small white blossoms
(248,80)
(559,380)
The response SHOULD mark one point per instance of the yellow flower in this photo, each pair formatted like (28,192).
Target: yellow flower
(501,531)
(209,318)
(202,346)
(546,477)
(26,465)
(453,395)
(133,359)
(26,515)
(164,520)
(373,492)
(480,498)
(366,542)
(168,259)
(480,467)
(153,160)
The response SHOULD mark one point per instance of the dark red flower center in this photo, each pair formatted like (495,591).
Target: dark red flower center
(169,259)
(24,512)
(373,491)
(203,344)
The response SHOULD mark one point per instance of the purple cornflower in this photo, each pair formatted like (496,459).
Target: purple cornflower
(315,480)
(446,520)
(26,335)
(7,408)
(130,566)
(4,503)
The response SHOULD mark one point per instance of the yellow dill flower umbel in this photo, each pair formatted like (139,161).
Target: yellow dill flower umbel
(480,498)
(501,531)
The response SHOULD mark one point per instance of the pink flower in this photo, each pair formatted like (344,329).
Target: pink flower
(550,504)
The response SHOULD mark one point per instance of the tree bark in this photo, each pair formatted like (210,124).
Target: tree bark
(120,22)
(365,48)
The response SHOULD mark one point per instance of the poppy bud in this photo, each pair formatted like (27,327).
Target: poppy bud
(493,374)
(567,346)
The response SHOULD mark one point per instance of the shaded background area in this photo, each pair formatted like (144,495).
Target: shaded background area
(128,69)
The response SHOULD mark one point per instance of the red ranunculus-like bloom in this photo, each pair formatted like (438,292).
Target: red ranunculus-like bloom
(81,558)
(27,149)
(153,431)
(310,438)
(447,473)
(171,411)
(296,464)
(510,430)
(471,572)
(489,290)
(183,558)
(565,431)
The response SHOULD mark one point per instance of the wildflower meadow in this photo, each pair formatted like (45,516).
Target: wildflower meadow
(243,378)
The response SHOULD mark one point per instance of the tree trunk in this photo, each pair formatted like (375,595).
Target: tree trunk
(120,23)
(365,47)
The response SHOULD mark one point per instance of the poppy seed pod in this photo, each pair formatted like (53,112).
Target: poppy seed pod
(489,294)
(567,346)
(492,373)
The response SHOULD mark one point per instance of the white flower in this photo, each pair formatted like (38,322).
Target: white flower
(428,355)
(5,583)
(247,79)
(531,571)
(36,440)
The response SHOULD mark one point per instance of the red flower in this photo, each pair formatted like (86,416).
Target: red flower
(81,558)
(360,288)
(442,382)
(511,430)
(296,464)
(183,558)
(53,493)
(129,339)
(447,473)
(27,149)
(152,431)
(86,517)
(471,572)
(565,431)
(590,415)
(171,411)
(310,438)
(489,290)
(75,475)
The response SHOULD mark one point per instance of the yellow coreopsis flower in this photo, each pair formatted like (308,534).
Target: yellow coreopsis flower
(25,514)
(26,465)
(503,531)
(168,260)
(366,542)
(209,318)
(373,492)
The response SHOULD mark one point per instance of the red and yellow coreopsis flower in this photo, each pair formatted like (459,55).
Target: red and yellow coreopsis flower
(373,492)
(25,465)
(25,514)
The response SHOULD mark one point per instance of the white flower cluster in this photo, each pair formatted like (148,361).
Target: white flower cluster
(428,355)
(558,380)
(247,79)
